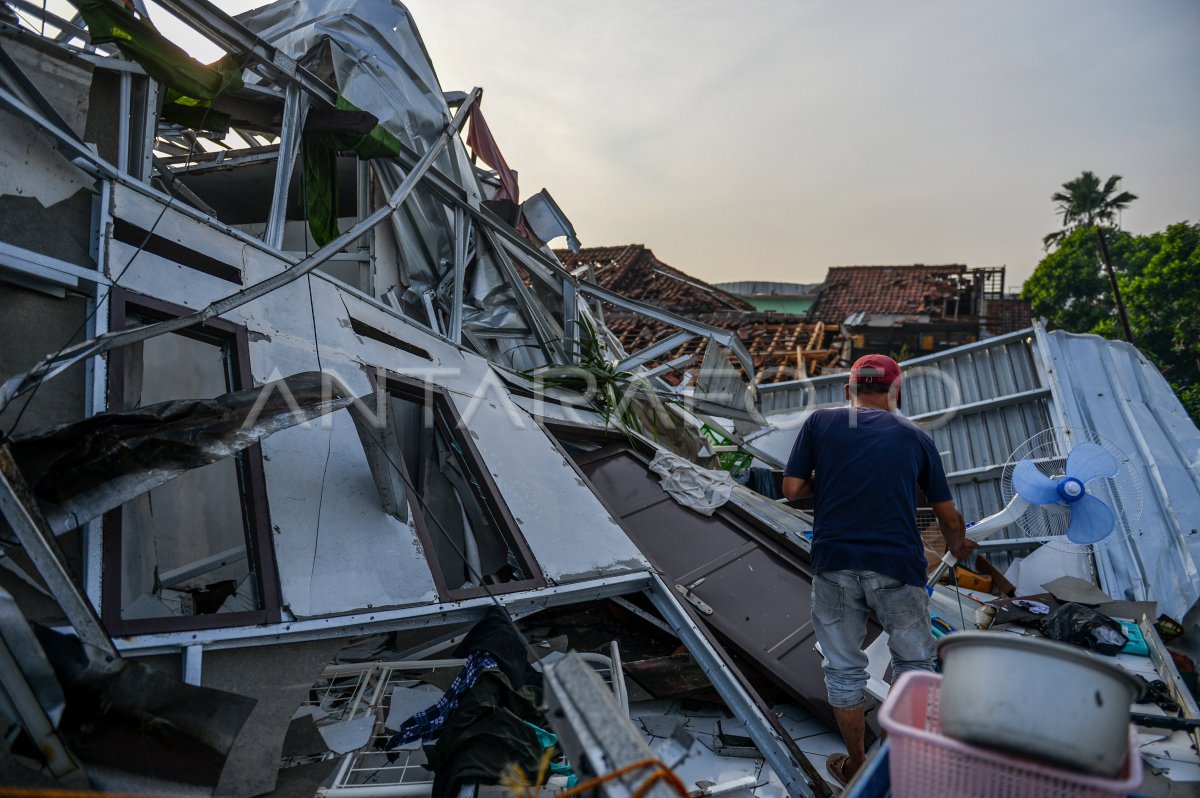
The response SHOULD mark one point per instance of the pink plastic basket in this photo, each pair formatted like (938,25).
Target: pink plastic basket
(925,763)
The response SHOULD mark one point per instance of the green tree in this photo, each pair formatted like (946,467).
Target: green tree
(1085,204)
(1159,277)
(1164,309)
(1069,288)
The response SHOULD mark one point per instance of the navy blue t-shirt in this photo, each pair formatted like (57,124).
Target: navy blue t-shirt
(866,469)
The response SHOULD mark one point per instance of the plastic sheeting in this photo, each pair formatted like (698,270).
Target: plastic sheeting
(371,51)
(701,489)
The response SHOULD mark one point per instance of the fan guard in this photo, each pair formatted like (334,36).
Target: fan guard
(1048,451)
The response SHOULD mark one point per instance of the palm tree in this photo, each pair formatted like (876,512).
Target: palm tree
(1084,203)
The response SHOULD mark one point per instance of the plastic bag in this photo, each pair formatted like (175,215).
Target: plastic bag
(1083,626)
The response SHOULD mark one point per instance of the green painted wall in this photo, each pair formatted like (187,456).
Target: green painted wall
(781,304)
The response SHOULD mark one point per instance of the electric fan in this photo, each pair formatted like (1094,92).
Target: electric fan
(1068,487)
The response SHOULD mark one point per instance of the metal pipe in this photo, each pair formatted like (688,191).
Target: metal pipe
(430,311)
(178,187)
(19,508)
(234,37)
(147,134)
(366,248)
(460,270)
(193,658)
(616,671)
(295,108)
(570,320)
(204,565)
(124,102)
(653,351)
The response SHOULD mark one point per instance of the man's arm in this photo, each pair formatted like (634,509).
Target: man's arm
(954,529)
(798,473)
(796,488)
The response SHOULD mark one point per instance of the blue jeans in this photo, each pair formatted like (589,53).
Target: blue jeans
(841,601)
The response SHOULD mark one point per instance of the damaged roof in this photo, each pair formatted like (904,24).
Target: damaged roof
(775,341)
(633,270)
(897,290)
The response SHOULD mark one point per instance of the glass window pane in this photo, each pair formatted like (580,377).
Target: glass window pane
(467,539)
(183,544)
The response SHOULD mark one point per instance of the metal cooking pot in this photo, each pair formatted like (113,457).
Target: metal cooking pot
(1037,698)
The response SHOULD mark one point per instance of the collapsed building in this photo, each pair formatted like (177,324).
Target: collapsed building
(297,398)
(783,346)
(919,309)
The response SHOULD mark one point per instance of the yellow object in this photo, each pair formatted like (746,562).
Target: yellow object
(966,578)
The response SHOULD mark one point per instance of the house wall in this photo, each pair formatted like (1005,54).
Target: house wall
(781,304)
(337,551)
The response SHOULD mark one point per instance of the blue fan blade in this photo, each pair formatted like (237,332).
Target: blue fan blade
(1091,521)
(1032,485)
(1087,461)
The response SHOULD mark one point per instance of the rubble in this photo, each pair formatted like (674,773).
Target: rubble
(276,437)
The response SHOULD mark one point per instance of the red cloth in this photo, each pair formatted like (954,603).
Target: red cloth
(479,139)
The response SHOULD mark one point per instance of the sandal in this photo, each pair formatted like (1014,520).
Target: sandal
(837,765)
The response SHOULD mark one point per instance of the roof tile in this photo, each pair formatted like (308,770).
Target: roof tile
(899,290)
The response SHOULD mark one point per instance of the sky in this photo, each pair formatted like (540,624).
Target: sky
(772,139)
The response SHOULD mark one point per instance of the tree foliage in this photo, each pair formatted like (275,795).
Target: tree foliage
(1164,302)
(1159,277)
(1069,289)
(1084,203)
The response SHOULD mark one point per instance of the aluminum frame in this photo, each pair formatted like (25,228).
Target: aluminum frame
(381,620)
(436,401)
(295,110)
(260,549)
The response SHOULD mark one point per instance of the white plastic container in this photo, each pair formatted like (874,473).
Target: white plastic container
(1037,698)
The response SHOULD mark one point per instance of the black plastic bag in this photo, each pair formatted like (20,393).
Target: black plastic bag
(1083,626)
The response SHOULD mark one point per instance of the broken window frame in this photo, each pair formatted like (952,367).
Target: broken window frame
(260,551)
(450,424)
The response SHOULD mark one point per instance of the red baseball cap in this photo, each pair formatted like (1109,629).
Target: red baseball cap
(878,369)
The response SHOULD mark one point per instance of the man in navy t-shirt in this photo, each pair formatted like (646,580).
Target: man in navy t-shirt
(863,464)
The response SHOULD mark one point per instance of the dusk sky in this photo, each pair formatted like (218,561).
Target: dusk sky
(770,140)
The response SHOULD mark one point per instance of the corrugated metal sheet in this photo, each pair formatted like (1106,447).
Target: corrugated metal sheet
(1110,387)
(981,401)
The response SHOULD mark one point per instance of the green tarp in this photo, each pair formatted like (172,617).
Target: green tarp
(320,171)
(191,86)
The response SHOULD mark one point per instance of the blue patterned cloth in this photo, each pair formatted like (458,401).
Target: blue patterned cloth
(426,724)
